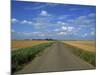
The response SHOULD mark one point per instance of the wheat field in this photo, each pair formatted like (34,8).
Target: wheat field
(25,43)
(85,45)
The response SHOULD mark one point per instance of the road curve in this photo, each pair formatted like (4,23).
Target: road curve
(55,58)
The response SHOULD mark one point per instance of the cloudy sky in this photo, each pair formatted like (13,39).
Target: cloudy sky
(35,20)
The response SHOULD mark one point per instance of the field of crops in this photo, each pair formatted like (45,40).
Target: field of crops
(88,56)
(85,45)
(25,43)
(23,55)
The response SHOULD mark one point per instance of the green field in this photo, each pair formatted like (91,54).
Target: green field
(22,56)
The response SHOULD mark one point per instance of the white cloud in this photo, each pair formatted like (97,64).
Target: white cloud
(80,20)
(64,28)
(24,33)
(56,30)
(44,13)
(67,28)
(43,20)
(92,33)
(62,33)
(63,17)
(31,33)
(81,17)
(85,34)
(61,23)
(71,29)
(26,22)
(29,22)
(14,20)
(83,21)
(41,34)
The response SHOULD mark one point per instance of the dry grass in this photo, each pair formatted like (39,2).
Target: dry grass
(85,45)
(25,43)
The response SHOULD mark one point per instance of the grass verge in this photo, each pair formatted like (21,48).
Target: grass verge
(22,56)
(89,57)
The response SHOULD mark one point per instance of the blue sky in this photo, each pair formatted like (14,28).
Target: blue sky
(38,20)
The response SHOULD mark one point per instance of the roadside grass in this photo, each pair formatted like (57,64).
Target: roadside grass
(22,56)
(88,56)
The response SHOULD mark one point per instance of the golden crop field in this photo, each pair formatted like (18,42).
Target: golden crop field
(86,45)
(25,43)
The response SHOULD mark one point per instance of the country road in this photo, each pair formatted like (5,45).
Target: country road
(55,58)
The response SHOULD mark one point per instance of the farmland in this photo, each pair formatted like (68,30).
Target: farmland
(84,49)
(85,45)
(24,55)
(59,57)
(25,43)
(35,55)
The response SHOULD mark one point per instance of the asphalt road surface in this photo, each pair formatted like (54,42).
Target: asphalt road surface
(55,58)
